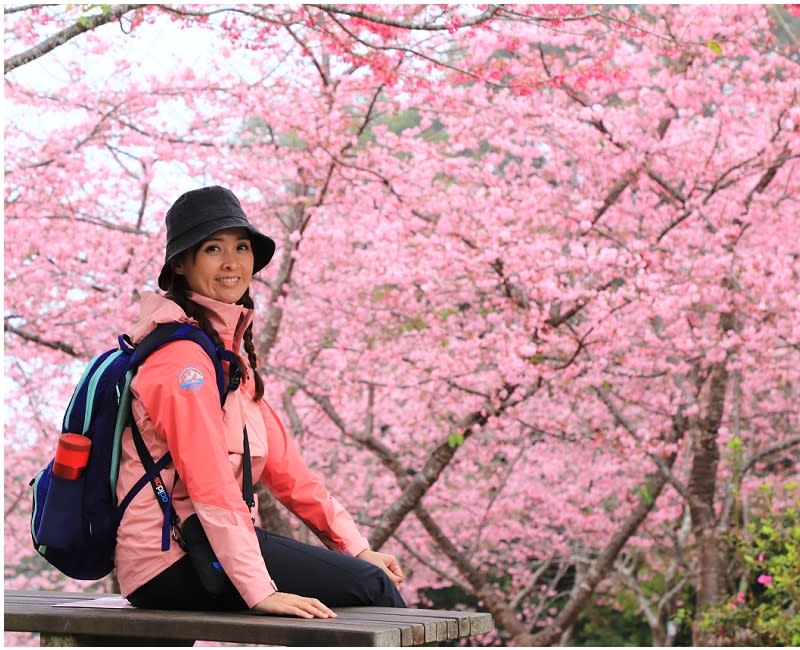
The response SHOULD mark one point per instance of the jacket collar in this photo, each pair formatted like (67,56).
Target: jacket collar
(230,321)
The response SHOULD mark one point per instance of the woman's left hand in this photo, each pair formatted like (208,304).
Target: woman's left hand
(386,562)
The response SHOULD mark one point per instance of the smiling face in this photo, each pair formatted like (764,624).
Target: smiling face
(221,267)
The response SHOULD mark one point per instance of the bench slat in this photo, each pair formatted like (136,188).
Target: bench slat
(414,632)
(469,623)
(34,611)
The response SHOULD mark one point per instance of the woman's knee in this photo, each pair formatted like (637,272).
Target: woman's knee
(382,591)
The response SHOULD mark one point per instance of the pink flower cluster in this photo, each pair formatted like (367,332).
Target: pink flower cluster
(765,580)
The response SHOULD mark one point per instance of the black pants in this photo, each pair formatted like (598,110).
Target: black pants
(334,578)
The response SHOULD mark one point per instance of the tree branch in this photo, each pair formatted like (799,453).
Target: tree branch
(602,564)
(402,24)
(307,50)
(766,178)
(84,24)
(660,180)
(648,495)
(438,460)
(13,10)
(411,550)
(621,420)
(614,193)
(768,451)
(35,338)
(523,593)
(95,221)
(500,611)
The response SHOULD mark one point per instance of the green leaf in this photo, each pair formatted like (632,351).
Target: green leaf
(715,47)
(414,324)
(455,439)
(403,120)
(735,444)
(291,140)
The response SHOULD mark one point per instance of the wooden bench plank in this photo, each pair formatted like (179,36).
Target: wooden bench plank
(57,617)
(426,629)
(210,626)
(469,623)
(36,612)
(92,641)
(411,632)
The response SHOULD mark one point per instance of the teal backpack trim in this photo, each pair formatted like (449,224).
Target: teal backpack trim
(124,416)
(90,393)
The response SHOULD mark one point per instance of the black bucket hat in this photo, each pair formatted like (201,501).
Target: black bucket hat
(198,214)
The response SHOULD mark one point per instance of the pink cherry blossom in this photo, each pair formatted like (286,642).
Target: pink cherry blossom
(525,265)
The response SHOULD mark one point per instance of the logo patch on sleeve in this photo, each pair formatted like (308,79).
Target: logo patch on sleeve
(190,378)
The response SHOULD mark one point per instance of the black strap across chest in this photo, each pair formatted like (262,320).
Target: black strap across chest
(171,519)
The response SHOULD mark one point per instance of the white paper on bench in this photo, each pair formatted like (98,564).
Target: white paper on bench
(109,602)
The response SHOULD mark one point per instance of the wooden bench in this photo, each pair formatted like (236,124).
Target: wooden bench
(76,619)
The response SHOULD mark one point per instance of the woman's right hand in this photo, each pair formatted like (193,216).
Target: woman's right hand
(282,604)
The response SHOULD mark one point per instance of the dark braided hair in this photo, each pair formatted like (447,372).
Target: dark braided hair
(177,291)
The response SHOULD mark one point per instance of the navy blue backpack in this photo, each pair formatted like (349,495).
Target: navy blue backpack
(74,521)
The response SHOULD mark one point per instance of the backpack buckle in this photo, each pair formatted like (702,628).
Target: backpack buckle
(178,537)
(125,344)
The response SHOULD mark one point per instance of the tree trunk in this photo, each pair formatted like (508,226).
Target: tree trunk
(658,635)
(601,566)
(272,514)
(701,491)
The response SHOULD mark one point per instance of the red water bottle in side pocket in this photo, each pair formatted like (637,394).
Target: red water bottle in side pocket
(72,455)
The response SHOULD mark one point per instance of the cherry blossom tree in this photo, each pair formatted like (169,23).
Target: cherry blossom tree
(533,311)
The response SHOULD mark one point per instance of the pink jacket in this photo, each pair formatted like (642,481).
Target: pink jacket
(175,402)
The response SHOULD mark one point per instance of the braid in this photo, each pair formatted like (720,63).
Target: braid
(247,301)
(177,292)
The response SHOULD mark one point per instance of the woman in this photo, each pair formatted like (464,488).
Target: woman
(211,255)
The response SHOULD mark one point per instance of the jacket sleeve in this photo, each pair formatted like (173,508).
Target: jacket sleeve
(302,491)
(177,386)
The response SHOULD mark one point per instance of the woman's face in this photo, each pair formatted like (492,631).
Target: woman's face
(222,266)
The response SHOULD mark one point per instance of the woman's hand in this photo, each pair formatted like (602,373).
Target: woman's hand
(386,562)
(282,604)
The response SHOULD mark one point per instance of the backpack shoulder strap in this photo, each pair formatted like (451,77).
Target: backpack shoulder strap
(159,337)
(169,332)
